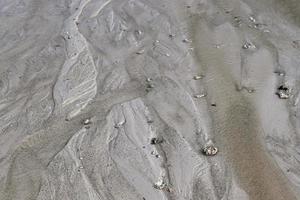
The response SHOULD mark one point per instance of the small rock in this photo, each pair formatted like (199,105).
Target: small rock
(280,73)
(156,141)
(138,32)
(155,154)
(210,150)
(248,45)
(140,52)
(171,36)
(283,92)
(119,125)
(250,90)
(150,121)
(160,185)
(252,19)
(87,121)
(198,77)
(186,40)
(197,96)
(296,44)
(150,85)
(237,21)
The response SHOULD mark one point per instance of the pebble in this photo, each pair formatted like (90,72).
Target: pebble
(283,92)
(140,52)
(156,141)
(198,77)
(280,73)
(160,185)
(248,45)
(210,150)
(119,125)
(87,121)
(252,19)
(186,40)
(197,96)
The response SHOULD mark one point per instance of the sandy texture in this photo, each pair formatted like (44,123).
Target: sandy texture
(85,86)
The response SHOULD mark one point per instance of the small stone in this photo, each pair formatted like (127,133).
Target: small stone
(248,45)
(150,86)
(250,90)
(186,40)
(252,19)
(160,185)
(119,125)
(87,121)
(280,73)
(138,32)
(283,92)
(156,42)
(150,121)
(140,52)
(238,21)
(149,79)
(210,150)
(171,36)
(296,44)
(197,96)
(156,141)
(198,77)
(80,158)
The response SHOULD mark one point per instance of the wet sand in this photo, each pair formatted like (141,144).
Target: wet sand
(236,125)
(87,86)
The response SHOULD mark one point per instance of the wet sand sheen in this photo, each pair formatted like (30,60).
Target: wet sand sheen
(236,125)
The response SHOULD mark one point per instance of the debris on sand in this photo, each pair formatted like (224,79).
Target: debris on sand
(197,96)
(156,141)
(198,77)
(140,52)
(283,92)
(186,40)
(160,184)
(171,36)
(120,124)
(155,153)
(86,121)
(252,19)
(149,84)
(210,150)
(248,45)
(280,73)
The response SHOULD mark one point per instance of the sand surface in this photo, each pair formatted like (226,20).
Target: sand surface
(85,86)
